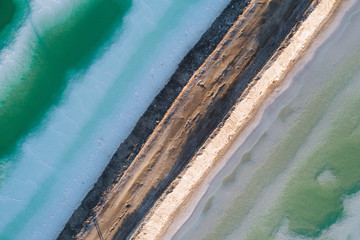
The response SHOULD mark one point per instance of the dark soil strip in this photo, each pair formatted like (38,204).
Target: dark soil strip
(149,120)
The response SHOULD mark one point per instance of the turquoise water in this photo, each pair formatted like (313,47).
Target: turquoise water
(12,14)
(297,175)
(63,48)
(74,78)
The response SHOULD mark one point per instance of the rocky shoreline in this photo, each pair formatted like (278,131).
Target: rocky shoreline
(184,114)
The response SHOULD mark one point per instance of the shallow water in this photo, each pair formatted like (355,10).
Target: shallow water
(74,78)
(297,175)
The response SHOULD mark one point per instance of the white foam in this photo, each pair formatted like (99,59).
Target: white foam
(15,59)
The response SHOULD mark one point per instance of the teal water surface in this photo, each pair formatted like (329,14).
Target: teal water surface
(7,8)
(69,46)
(12,15)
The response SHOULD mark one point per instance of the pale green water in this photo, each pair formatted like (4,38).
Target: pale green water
(290,178)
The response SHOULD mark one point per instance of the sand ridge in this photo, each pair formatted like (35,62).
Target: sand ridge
(170,211)
(85,214)
(201,106)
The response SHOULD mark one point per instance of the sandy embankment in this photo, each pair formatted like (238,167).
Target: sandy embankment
(84,215)
(203,103)
(201,107)
(174,207)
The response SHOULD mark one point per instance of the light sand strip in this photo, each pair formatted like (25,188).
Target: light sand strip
(172,205)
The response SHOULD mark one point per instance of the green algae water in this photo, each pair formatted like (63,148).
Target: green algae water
(12,14)
(68,46)
(7,12)
(297,175)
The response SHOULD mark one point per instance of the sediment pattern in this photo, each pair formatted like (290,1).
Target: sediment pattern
(145,126)
(161,145)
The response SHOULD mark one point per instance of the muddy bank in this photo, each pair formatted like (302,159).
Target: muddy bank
(82,218)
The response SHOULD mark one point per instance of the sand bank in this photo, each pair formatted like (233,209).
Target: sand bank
(175,207)
(239,68)
(200,107)
(145,126)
